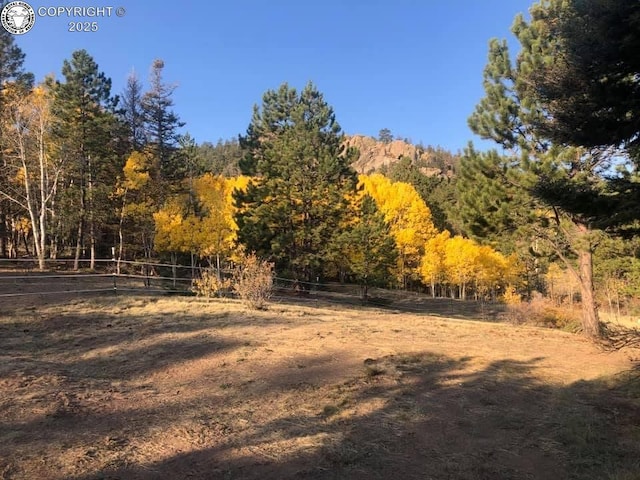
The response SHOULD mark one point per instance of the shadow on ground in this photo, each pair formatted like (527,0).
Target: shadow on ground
(395,301)
(417,416)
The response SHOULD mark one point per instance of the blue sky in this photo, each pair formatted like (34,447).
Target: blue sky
(413,66)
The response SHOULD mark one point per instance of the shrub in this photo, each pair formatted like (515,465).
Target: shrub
(511,297)
(208,285)
(253,281)
(543,312)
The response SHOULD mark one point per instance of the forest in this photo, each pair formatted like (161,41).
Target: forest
(550,214)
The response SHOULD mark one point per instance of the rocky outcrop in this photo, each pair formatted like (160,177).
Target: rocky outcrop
(375,154)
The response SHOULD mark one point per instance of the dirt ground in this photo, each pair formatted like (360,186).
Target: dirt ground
(177,388)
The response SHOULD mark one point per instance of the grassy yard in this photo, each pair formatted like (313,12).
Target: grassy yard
(176,388)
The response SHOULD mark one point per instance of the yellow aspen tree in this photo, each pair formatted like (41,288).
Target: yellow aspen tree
(409,219)
(217,228)
(432,266)
(491,271)
(461,262)
(139,196)
(27,124)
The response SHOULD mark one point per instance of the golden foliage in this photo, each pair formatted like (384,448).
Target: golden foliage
(432,266)
(209,285)
(136,171)
(210,229)
(462,262)
(408,217)
(511,296)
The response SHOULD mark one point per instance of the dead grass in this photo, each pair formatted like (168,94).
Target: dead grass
(139,388)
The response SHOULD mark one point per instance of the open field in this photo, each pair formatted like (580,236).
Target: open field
(176,388)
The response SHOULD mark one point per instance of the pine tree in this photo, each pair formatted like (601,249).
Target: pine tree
(162,124)
(86,129)
(366,248)
(223,158)
(490,205)
(566,218)
(296,153)
(12,61)
(590,85)
(385,136)
(132,113)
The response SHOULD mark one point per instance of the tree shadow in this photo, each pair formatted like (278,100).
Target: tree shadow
(422,415)
(398,303)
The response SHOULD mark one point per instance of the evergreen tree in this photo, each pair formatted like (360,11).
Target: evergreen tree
(132,113)
(12,61)
(87,132)
(291,210)
(385,136)
(490,206)
(366,249)
(566,218)
(162,124)
(590,83)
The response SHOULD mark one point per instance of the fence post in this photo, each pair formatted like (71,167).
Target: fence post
(115,271)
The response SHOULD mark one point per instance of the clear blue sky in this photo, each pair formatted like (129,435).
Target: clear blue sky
(413,66)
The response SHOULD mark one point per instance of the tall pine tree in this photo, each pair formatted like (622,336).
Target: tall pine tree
(86,124)
(301,169)
(568,220)
(162,124)
(366,249)
(590,86)
(132,113)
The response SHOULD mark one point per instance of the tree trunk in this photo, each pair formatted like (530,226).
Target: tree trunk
(590,320)
(92,242)
(218,274)
(25,242)
(41,246)
(92,222)
(120,231)
(193,266)
(80,238)
(174,261)
(76,260)
(3,229)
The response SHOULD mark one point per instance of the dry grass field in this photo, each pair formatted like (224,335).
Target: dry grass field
(176,388)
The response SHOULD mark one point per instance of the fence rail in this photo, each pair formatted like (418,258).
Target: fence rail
(156,278)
